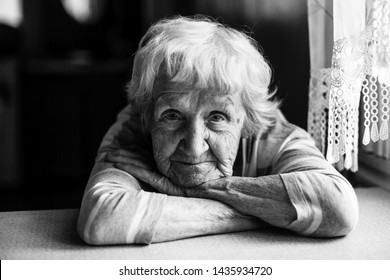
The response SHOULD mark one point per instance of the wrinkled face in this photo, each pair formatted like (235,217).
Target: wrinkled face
(195,133)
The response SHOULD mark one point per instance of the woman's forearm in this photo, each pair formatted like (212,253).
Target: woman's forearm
(115,210)
(308,203)
(264,197)
(184,217)
(119,217)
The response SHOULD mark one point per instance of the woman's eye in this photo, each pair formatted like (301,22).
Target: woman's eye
(171,116)
(217,117)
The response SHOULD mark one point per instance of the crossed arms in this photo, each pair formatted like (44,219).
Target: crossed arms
(126,201)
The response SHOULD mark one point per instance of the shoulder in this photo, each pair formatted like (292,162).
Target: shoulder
(126,132)
(282,130)
(282,135)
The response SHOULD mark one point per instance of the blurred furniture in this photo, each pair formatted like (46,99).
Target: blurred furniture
(52,234)
(10,143)
(73,76)
(67,108)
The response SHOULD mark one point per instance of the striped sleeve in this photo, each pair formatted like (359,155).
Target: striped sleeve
(115,209)
(324,200)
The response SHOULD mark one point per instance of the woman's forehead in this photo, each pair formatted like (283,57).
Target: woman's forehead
(163,86)
(171,91)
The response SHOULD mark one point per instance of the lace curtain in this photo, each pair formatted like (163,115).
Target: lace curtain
(350,67)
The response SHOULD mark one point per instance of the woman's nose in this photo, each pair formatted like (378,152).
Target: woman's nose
(195,140)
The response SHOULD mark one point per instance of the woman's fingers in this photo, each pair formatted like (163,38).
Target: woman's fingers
(225,168)
(154,179)
(141,167)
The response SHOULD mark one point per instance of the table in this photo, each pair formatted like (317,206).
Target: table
(51,234)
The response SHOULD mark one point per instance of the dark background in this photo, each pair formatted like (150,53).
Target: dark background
(62,84)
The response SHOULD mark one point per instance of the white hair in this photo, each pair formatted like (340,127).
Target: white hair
(210,55)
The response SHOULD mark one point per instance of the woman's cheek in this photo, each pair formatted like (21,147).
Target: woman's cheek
(163,148)
(225,149)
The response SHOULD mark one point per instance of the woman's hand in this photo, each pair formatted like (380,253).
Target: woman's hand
(143,170)
(141,167)
(263,197)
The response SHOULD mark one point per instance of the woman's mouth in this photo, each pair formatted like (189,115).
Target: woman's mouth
(192,167)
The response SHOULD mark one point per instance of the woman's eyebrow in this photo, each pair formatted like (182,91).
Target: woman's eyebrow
(168,96)
(176,87)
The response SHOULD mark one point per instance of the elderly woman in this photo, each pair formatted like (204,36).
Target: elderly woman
(203,149)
